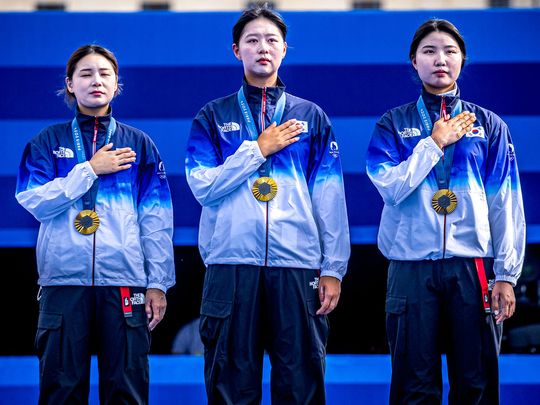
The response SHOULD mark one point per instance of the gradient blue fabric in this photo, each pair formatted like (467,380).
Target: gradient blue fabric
(305,225)
(489,220)
(133,244)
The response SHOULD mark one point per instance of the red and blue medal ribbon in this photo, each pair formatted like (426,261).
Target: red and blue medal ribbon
(481,271)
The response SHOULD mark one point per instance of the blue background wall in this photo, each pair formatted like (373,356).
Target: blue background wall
(353,64)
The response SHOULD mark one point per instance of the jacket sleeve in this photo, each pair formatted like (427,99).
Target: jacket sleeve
(155,218)
(395,177)
(505,205)
(208,175)
(40,192)
(327,191)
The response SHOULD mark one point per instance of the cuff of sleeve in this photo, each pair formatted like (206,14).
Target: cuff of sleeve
(88,171)
(257,151)
(331,273)
(509,279)
(430,144)
(158,286)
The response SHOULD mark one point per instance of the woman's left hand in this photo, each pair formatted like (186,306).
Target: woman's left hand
(329,292)
(155,306)
(503,301)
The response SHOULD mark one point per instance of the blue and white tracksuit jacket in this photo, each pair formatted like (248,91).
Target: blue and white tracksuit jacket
(133,244)
(489,219)
(305,225)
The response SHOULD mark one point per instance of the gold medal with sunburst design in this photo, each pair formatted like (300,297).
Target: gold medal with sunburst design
(444,201)
(264,188)
(86,222)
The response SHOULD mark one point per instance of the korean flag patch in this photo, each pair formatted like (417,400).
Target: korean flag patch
(305,127)
(476,132)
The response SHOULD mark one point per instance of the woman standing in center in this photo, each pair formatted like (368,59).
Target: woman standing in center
(273,234)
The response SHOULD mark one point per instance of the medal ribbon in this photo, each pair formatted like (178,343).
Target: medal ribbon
(443,166)
(264,170)
(481,272)
(89,198)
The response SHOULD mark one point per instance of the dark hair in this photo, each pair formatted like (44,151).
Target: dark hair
(71,65)
(255,12)
(437,25)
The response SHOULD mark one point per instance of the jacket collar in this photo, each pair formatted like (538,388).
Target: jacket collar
(433,101)
(89,120)
(253,94)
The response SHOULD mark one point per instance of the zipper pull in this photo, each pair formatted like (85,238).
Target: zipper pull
(263,109)
(94,140)
(444,114)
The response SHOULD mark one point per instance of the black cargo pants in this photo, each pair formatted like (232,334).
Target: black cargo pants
(70,318)
(435,307)
(247,310)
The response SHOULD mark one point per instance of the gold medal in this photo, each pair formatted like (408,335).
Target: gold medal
(86,222)
(444,201)
(264,188)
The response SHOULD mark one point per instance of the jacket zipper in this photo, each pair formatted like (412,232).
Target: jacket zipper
(94,144)
(263,113)
(444,238)
(445,115)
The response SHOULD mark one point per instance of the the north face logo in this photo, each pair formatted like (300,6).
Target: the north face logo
(409,132)
(63,152)
(229,126)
